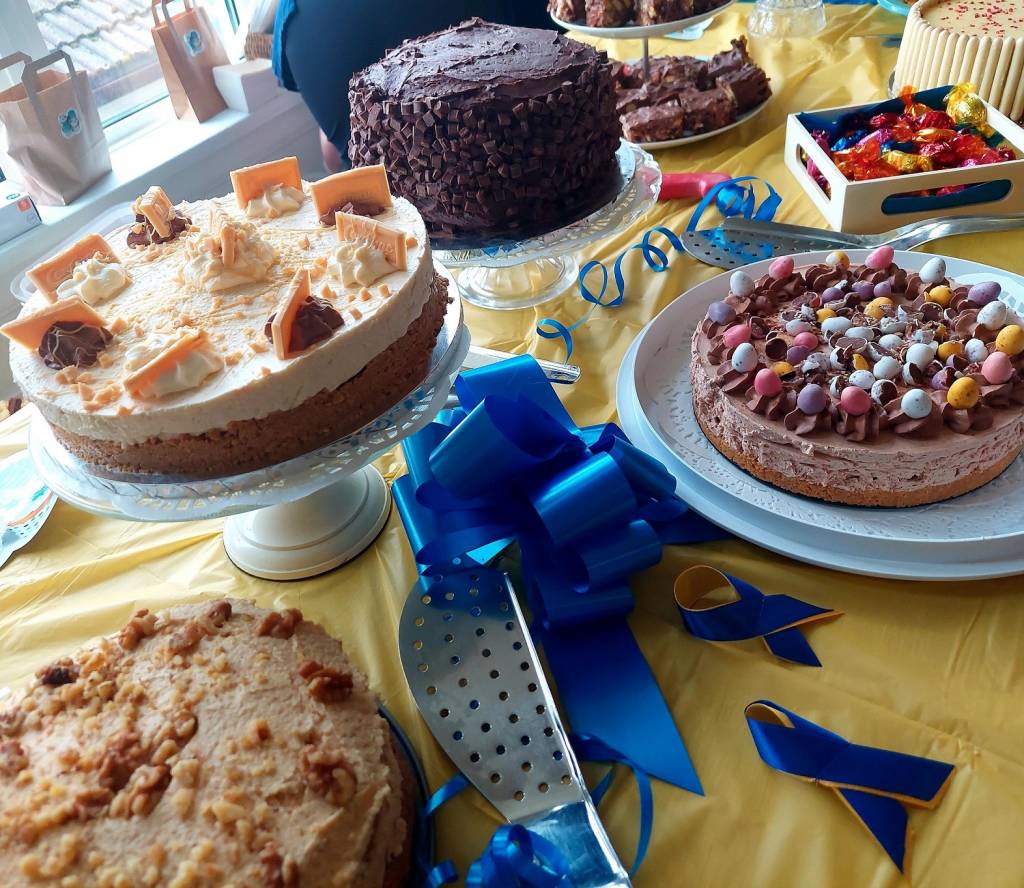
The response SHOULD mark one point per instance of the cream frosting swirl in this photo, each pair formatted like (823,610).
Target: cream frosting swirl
(186,374)
(94,281)
(275,201)
(209,266)
(358,265)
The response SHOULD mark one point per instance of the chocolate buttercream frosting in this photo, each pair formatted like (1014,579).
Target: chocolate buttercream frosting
(315,321)
(73,344)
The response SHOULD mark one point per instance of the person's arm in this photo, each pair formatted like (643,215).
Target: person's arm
(332,157)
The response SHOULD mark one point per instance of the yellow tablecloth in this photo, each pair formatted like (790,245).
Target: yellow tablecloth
(931,669)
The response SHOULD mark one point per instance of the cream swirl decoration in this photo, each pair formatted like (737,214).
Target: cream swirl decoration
(358,265)
(187,373)
(230,253)
(94,281)
(275,201)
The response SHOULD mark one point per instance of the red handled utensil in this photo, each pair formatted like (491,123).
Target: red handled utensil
(688,186)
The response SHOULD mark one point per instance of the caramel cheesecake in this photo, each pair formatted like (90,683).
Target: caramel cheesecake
(862,384)
(214,744)
(214,337)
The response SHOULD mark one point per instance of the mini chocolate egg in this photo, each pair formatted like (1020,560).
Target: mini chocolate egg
(814,361)
(835,325)
(744,359)
(940,332)
(835,360)
(767,383)
(984,293)
(892,325)
(862,379)
(1010,339)
(891,341)
(943,379)
(796,354)
(783,368)
(721,313)
(814,302)
(940,294)
(860,363)
(916,404)
(837,259)
(887,368)
(883,391)
(908,375)
(781,268)
(933,271)
(831,294)
(812,399)
(855,400)
(883,289)
(836,386)
(865,290)
(741,283)
(948,349)
(867,333)
(925,336)
(797,326)
(808,312)
(920,355)
(878,306)
(735,335)
(806,340)
(992,315)
(975,351)
(997,368)
(963,394)
(823,314)
(880,258)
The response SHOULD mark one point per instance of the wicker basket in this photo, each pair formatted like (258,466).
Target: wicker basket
(258,45)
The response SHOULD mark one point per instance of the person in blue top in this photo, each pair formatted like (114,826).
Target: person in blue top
(320,44)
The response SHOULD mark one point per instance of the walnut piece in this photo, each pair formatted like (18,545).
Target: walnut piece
(141,625)
(329,775)
(187,637)
(62,672)
(280,624)
(325,684)
(278,871)
(219,613)
(12,758)
(122,759)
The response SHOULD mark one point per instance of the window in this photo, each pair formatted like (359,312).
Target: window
(111,40)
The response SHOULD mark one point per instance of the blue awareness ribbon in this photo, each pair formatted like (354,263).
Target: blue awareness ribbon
(730,198)
(588,510)
(873,783)
(777,619)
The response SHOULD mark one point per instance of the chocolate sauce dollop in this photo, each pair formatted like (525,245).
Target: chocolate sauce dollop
(72,343)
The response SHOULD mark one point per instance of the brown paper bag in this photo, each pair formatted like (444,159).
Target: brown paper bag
(50,131)
(188,48)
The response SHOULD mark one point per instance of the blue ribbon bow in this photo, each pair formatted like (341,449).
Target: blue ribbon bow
(874,783)
(588,510)
(777,619)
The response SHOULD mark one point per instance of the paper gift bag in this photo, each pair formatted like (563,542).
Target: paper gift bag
(50,131)
(188,48)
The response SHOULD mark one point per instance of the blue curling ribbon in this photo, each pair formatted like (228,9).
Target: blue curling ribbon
(588,510)
(777,619)
(874,783)
(730,198)
(738,201)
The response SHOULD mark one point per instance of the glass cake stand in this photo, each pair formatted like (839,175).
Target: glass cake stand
(508,274)
(296,519)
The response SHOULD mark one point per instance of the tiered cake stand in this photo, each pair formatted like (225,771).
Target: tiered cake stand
(521,273)
(295,519)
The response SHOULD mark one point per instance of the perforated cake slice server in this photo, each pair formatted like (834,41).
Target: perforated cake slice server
(476,678)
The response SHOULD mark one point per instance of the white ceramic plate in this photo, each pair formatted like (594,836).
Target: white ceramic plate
(979,534)
(700,137)
(637,32)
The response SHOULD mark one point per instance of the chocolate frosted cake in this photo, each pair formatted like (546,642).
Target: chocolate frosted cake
(489,129)
(862,384)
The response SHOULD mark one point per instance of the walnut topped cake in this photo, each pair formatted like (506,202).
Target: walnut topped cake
(211,745)
(223,335)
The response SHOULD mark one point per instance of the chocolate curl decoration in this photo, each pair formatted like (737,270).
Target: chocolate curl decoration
(777,619)
(873,783)
(588,510)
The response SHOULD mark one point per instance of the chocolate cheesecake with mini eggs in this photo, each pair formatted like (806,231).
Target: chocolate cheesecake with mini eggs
(224,335)
(862,384)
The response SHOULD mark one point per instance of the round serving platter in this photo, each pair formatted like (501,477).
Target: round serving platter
(700,137)
(977,535)
(638,32)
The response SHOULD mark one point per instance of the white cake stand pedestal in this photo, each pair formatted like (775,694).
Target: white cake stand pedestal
(295,519)
(518,274)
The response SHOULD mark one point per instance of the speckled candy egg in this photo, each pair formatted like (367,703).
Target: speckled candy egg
(984,293)
(867,333)
(1010,339)
(997,368)
(744,359)
(837,259)
(975,351)
(861,363)
(721,313)
(806,340)
(812,399)
(892,325)
(933,271)
(887,368)
(796,354)
(925,336)
(877,307)
(916,404)
(855,400)
(865,290)
(767,383)
(737,335)
(992,315)
(963,394)
(797,325)
(880,258)
(920,355)
(835,325)
(836,386)
(891,341)
(808,312)
(862,379)
(814,361)
(781,268)
(741,283)
(883,391)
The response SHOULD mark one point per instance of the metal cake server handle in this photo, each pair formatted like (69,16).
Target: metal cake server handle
(553,370)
